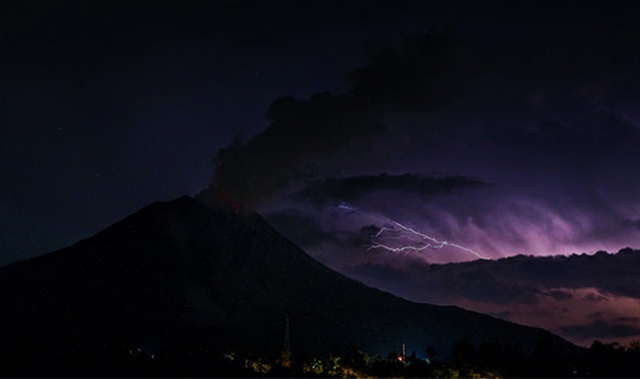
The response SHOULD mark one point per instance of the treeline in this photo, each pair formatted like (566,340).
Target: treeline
(489,360)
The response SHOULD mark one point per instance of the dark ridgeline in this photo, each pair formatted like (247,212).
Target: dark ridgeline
(184,277)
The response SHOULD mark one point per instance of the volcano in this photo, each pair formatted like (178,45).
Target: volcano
(189,274)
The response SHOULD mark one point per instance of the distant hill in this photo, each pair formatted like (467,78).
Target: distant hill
(185,274)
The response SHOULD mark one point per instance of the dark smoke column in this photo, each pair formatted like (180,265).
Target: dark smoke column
(414,79)
(248,174)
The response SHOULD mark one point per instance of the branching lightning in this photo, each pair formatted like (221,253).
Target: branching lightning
(425,242)
(405,239)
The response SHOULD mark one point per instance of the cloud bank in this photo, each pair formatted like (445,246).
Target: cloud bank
(580,297)
(351,189)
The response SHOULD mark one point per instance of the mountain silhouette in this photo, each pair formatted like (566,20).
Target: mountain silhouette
(189,273)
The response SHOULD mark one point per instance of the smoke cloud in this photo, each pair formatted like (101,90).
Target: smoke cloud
(303,131)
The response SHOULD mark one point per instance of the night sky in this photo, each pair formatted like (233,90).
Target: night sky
(380,136)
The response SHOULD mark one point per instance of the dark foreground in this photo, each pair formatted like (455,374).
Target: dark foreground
(489,360)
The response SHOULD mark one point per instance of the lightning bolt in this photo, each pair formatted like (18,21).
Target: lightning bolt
(432,243)
(425,242)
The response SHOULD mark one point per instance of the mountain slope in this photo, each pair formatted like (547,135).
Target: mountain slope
(182,273)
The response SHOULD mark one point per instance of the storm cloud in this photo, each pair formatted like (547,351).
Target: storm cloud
(351,189)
